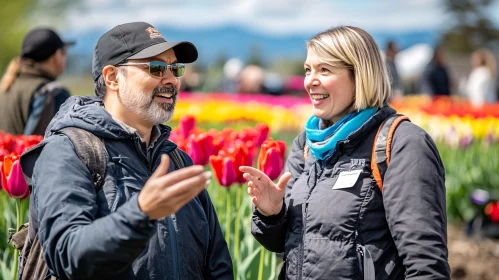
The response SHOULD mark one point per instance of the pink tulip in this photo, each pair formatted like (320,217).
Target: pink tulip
(273,163)
(13,181)
(262,131)
(176,135)
(187,123)
(200,148)
(195,151)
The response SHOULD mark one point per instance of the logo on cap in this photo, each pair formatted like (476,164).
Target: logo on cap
(154,33)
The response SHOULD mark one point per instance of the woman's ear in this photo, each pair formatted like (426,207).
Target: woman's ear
(111,79)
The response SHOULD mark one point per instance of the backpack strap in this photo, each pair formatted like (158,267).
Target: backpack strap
(177,158)
(381,153)
(44,104)
(91,151)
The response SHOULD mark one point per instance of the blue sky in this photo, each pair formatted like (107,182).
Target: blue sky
(276,17)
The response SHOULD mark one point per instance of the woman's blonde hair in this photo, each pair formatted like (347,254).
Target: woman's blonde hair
(354,49)
(10,74)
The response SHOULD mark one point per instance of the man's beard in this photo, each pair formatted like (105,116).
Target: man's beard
(143,104)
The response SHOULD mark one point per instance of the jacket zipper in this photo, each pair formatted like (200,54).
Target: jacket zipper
(302,244)
(115,203)
(154,153)
(173,241)
(136,141)
(171,228)
(360,253)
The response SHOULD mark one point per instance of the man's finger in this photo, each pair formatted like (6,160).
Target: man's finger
(189,187)
(180,175)
(162,167)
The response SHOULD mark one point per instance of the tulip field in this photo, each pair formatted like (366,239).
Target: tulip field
(225,131)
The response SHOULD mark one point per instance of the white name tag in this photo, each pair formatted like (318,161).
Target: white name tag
(346,179)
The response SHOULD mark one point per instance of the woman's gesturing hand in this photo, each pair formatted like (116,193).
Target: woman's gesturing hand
(265,194)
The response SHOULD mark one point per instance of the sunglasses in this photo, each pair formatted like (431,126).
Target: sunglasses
(159,68)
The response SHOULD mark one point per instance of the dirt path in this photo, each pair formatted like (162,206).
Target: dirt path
(472,259)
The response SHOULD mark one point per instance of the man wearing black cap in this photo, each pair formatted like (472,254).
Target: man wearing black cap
(29,94)
(152,218)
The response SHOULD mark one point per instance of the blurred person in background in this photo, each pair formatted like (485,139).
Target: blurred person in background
(29,93)
(191,80)
(480,87)
(436,80)
(231,74)
(251,79)
(327,214)
(390,53)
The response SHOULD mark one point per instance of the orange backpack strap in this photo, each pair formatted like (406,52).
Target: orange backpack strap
(381,153)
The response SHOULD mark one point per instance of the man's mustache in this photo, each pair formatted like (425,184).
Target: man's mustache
(159,90)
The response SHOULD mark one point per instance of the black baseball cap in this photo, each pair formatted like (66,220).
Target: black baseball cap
(136,40)
(40,43)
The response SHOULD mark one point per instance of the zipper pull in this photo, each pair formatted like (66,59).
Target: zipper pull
(174,220)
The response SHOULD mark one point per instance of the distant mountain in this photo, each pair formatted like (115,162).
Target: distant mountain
(233,41)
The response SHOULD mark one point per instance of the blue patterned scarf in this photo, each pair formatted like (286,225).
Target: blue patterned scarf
(323,141)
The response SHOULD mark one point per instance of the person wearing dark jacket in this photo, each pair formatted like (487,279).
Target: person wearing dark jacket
(436,80)
(149,220)
(327,214)
(30,96)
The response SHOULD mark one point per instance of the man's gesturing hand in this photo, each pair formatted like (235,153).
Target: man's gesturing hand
(164,194)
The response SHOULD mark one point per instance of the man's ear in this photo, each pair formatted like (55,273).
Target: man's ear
(110,75)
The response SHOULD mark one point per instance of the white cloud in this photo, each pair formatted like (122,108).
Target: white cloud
(274,17)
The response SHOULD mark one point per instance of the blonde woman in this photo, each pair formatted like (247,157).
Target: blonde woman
(327,214)
(481,83)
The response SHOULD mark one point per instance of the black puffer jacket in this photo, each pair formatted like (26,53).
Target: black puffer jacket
(322,227)
(105,235)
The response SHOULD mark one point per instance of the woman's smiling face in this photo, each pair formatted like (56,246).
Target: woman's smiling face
(331,89)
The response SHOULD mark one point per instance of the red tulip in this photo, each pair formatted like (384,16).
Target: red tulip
(218,141)
(224,169)
(182,144)
(492,210)
(23,143)
(3,153)
(247,134)
(271,158)
(20,144)
(6,142)
(228,134)
(242,156)
(13,181)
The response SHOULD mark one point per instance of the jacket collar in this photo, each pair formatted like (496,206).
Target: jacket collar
(31,71)
(373,123)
